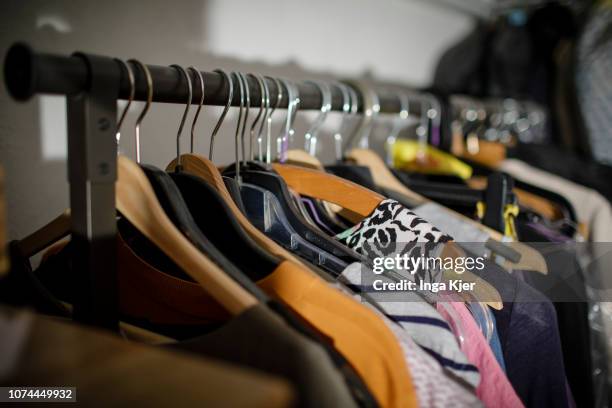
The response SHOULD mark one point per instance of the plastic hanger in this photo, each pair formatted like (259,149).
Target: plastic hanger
(266,212)
(206,170)
(301,157)
(274,184)
(213,215)
(173,202)
(317,184)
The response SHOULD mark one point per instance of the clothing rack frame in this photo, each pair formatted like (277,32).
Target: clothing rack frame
(92,85)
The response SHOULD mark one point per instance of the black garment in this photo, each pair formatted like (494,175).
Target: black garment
(565,286)
(21,287)
(260,340)
(461,69)
(511,58)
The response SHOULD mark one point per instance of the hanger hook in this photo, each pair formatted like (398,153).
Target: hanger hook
(263,109)
(346,109)
(185,113)
(374,108)
(200,77)
(357,88)
(398,124)
(434,113)
(310,138)
(149,82)
(247,102)
(131,81)
(279,98)
(230,96)
(237,134)
(288,131)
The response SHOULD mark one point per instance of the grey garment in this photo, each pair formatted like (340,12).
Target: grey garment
(594,80)
(259,339)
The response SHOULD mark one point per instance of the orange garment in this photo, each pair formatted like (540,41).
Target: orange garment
(150,294)
(355,331)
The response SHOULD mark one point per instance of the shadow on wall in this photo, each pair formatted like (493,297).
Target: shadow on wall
(32,134)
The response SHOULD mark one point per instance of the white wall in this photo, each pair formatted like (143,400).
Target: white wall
(392,39)
(388,39)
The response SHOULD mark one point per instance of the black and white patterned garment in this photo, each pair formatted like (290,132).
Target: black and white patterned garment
(392,229)
(391,222)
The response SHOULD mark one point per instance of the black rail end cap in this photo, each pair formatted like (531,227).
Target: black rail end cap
(19,71)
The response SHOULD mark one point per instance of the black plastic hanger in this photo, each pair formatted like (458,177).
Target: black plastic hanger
(276,185)
(175,207)
(214,216)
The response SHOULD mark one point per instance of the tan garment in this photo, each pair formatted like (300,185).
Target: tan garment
(110,372)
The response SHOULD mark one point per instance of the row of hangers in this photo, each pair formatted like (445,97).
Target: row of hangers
(190,209)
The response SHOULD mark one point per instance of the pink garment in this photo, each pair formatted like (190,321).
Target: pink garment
(494,389)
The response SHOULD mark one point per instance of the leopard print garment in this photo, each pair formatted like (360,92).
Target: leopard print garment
(389,223)
(393,229)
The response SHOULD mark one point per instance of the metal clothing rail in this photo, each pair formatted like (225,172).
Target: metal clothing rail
(92,85)
(28,73)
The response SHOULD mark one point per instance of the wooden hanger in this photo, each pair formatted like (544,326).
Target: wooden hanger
(487,153)
(331,188)
(362,202)
(302,158)
(52,232)
(205,169)
(381,174)
(137,202)
(530,258)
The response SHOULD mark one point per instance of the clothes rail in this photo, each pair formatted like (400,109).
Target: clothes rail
(92,84)
(28,73)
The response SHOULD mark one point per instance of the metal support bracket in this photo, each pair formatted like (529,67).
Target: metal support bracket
(92,172)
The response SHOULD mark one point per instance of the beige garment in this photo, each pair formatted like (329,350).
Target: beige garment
(108,371)
(590,206)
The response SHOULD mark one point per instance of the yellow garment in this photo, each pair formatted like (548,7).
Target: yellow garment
(412,156)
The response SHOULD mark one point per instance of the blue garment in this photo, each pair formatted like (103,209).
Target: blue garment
(530,340)
(478,313)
